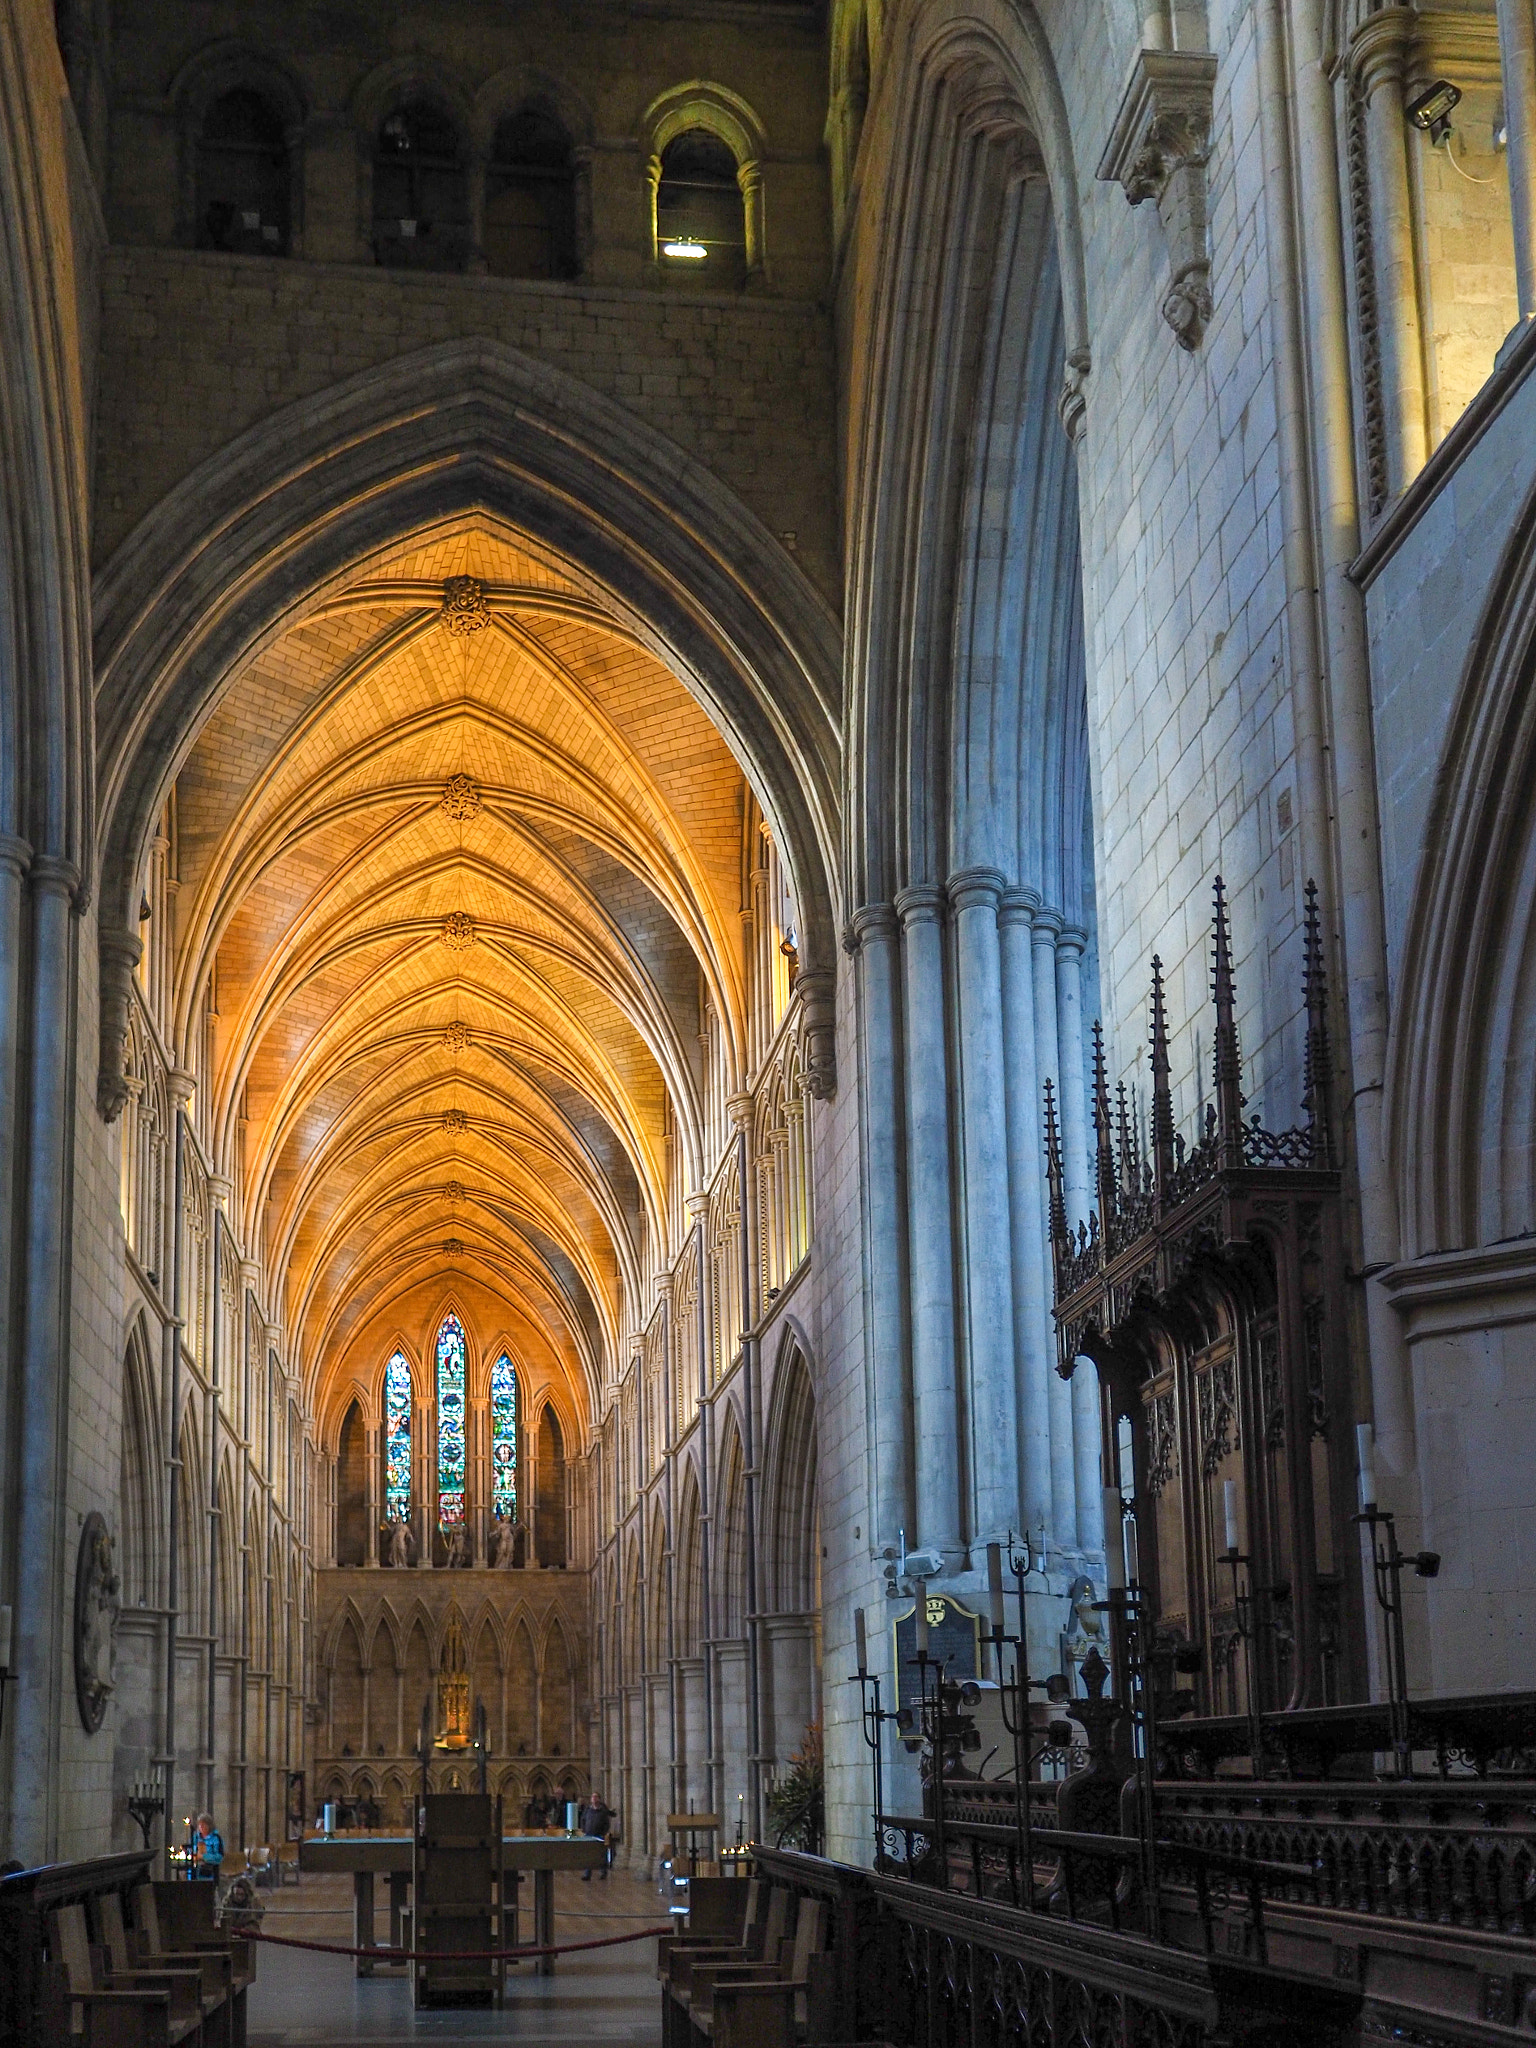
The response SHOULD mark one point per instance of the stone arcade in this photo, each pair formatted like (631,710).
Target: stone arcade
(749,836)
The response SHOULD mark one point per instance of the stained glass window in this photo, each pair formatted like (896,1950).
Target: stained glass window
(503,1440)
(450,1423)
(397,1440)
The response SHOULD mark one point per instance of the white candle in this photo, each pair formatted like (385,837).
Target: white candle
(1114,1540)
(1133,1550)
(860,1644)
(1229,1510)
(1365,1449)
(995,1585)
(920,1617)
(5,1638)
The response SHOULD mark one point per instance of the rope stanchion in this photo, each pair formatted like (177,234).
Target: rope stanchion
(384,1954)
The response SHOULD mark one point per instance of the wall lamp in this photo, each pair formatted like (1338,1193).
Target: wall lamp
(1433,108)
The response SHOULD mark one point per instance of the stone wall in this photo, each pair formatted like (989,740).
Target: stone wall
(197,347)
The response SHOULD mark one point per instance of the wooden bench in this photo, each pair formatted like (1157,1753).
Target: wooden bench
(34,1993)
(760,2005)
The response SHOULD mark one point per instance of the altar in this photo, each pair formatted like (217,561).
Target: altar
(368,1856)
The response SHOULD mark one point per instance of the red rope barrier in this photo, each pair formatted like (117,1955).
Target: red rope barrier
(383,1954)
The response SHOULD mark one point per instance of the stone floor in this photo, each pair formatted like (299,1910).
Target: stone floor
(608,1995)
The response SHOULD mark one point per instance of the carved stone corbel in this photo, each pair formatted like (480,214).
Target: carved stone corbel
(120,955)
(1072,402)
(1159,149)
(818,1031)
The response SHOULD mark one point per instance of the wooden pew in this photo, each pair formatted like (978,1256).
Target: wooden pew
(34,2006)
(725,1912)
(163,2007)
(742,2005)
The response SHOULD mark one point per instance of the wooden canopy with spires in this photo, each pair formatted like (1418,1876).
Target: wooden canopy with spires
(1209,1290)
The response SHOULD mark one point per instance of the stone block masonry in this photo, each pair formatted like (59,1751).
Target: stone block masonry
(198,347)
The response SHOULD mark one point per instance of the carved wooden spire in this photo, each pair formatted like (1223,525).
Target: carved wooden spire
(1061,1235)
(1317,1098)
(1104,1133)
(1228,1063)
(1162,1094)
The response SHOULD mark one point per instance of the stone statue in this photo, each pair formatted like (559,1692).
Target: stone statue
(401,1544)
(504,1549)
(458,1549)
(97,1587)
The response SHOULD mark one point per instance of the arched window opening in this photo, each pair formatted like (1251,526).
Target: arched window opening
(530,197)
(701,221)
(503,1441)
(549,1509)
(242,177)
(397,1439)
(450,1424)
(352,1490)
(420,192)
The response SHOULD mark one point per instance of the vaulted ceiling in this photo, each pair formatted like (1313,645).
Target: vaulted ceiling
(461,864)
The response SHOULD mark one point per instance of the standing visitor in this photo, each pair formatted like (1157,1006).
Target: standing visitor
(595,1820)
(207,1849)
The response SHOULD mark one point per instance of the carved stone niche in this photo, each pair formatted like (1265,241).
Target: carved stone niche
(1159,149)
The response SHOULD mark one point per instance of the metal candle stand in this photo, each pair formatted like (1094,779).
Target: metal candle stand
(1389,1563)
(1021,1565)
(874,1716)
(1245,1619)
(146,1803)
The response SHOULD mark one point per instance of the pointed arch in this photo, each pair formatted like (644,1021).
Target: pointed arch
(286,511)
(792,1490)
(730,1577)
(143,1465)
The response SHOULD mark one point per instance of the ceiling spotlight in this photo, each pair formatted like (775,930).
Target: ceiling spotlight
(1433,108)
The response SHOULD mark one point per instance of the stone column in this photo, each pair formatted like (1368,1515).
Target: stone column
(1517,60)
(477,1489)
(1378,56)
(1046,931)
(373,1491)
(1076,1149)
(935,1411)
(992,1400)
(888,1354)
(40,1653)
(1034,1339)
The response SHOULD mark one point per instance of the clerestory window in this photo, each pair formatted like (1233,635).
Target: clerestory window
(397,1439)
(450,1424)
(242,177)
(701,222)
(420,190)
(530,197)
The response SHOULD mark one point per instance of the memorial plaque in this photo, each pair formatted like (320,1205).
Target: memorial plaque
(954,1640)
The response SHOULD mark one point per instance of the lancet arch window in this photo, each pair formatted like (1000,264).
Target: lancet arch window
(397,1439)
(451,1373)
(504,1440)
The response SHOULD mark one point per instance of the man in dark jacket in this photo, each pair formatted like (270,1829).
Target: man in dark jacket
(596,1819)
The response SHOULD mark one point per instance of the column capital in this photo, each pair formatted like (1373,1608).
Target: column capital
(1072,939)
(52,875)
(978,888)
(1379,48)
(739,1109)
(919,903)
(15,854)
(1048,925)
(870,921)
(696,1204)
(1018,906)
(181,1086)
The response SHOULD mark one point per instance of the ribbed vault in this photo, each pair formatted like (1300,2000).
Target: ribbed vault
(459,878)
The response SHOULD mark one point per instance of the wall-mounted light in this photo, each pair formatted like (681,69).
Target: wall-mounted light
(687,252)
(1433,108)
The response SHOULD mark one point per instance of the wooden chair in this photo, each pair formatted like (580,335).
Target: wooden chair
(213,1958)
(724,1912)
(161,2010)
(188,1923)
(742,2008)
(694,1971)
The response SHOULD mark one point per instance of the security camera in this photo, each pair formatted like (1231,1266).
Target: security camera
(922,1564)
(1427,1564)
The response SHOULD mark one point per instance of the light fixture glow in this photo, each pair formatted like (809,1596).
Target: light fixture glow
(691,252)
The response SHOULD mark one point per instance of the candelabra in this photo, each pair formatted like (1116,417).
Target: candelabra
(1131,1631)
(1388,1564)
(146,1803)
(1022,1564)
(873,1717)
